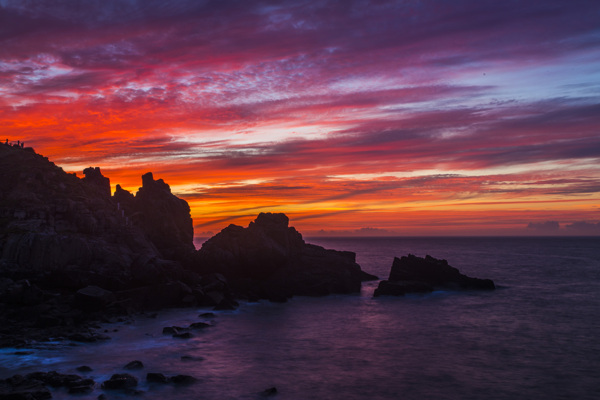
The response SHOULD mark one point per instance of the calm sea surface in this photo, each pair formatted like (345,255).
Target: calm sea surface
(536,337)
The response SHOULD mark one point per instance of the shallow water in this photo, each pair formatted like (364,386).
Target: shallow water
(534,337)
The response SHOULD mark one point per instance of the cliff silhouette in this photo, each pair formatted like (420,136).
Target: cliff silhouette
(70,251)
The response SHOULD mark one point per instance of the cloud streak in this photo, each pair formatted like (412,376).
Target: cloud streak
(363,109)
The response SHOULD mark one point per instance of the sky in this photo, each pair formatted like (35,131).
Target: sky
(352,117)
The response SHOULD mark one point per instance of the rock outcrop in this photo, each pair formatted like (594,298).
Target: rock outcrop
(270,260)
(164,217)
(412,274)
(70,251)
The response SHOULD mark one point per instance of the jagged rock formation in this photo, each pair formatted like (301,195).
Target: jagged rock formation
(94,177)
(270,260)
(412,274)
(69,251)
(164,217)
(60,234)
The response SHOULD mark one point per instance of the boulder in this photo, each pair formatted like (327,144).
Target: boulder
(93,298)
(18,387)
(412,274)
(136,364)
(156,377)
(120,381)
(270,260)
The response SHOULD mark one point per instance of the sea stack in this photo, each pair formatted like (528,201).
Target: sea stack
(412,274)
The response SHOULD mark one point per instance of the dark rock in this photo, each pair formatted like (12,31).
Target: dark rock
(59,234)
(84,368)
(155,377)
(88,337)
(207,315)
(173,330)
(183,335)
(166,218)
(411,274)
(56,379)
(226,303)
(120,381)
(18,387)
(93,298)
(270,260)
(269,392)
(183,379)
(191,358)
(396,288)
(199,325)
(134,365)
(94,177)
(81,389)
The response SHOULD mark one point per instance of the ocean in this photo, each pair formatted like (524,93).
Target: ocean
(535,337)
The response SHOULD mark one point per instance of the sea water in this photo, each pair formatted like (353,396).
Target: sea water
(534,337)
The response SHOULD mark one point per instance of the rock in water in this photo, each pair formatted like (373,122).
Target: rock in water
(120,381)
(270,260)
(136,364)
(412,274)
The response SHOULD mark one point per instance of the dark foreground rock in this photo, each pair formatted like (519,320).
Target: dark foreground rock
(71,254)
(120,381)
(270,260)
(412,274)
(35,385)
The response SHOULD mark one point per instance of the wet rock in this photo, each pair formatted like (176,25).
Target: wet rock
(134,365)
(199,325)
(393,288)
(81,389)
(174,330)
(191,358)
(120,381)
(155,377)
(183,335)
(18,387)
(270,260)
(56,379)
(226,303)
(88,337)
(269,392)
(412,274)
(207,315)
(93,298)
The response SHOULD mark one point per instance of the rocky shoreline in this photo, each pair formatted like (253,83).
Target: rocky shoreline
(73,256)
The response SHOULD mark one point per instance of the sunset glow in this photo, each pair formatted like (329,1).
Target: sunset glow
(357,117)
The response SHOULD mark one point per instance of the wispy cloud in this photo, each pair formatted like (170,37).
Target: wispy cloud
(318,108)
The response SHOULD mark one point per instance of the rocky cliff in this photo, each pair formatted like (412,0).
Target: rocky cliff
(68,249)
